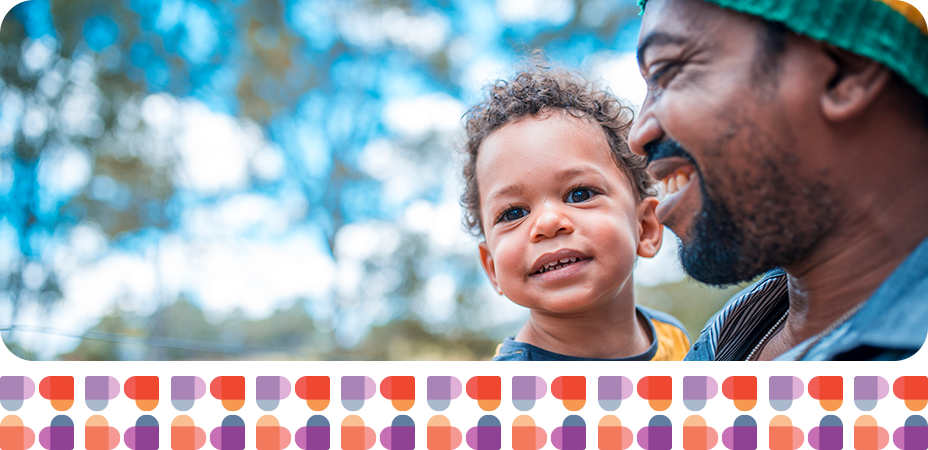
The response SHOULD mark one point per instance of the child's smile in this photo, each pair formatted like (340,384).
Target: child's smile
(559,216)
(560,265)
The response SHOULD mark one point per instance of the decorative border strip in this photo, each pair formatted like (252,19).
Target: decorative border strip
(421,370)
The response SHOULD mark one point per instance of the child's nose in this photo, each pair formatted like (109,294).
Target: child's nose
(549,222)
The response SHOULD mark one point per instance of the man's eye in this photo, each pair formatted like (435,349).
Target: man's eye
(579,195)
(512,214)
(664,74)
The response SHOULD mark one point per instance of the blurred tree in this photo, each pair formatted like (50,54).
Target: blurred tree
(14,352)
(109,340)
(407,340)
(95,108)
(288,333)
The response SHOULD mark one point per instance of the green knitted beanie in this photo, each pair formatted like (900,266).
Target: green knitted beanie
(893,36)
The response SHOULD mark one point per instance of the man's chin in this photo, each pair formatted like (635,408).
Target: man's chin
(715,264)
(713,249)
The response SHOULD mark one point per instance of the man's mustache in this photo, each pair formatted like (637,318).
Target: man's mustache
(666,149)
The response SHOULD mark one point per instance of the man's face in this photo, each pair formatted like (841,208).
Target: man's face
(725,130)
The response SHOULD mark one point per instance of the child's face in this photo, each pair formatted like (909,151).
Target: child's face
(549,192)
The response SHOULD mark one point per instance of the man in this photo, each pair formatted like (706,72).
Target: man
(791,137)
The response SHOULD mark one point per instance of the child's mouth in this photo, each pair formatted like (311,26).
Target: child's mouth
(559,264)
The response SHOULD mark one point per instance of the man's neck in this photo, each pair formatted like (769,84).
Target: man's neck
(823,298)
(872,239)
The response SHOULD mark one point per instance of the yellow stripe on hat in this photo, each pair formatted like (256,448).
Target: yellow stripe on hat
(909,12)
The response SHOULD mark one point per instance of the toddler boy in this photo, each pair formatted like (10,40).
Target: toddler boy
(564,207)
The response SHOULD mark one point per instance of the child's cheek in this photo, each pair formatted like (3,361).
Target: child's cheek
(509,263)
(616,242)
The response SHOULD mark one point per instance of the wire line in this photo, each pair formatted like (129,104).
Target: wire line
(151,341)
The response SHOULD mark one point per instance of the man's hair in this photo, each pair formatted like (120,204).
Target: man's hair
(542,90)
(765,69)
(767,60)
(767,64)
(773,39)
(924,108)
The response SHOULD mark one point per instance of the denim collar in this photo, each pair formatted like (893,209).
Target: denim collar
(895,317)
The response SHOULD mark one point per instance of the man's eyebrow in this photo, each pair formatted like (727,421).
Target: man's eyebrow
(656,38)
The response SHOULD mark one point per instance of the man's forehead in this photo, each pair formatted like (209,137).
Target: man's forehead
(664,23)
(678,17)
(688,22)
(890,32)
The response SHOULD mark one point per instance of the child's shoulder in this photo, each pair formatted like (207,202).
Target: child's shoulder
(670,343)
(653,314)
(672,339)
(512,350)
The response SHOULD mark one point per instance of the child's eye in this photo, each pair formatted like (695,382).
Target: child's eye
(579,195)
(512,214)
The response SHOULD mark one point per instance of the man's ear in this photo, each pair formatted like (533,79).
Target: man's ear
(650,231)
(486,260)
(856,83)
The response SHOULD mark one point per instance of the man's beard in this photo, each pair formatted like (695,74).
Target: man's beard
(768,220)
(716,253)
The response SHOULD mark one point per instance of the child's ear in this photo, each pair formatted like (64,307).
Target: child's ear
(486,260)
(650,231)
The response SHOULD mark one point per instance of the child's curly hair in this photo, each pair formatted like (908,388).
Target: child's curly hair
(540,89)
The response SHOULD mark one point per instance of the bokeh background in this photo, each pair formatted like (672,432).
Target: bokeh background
(270,179)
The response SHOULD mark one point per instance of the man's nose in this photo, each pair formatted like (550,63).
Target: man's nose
(645,130)
(550,221)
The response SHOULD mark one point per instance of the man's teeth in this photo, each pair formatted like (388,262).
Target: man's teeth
(554,265)
(675,182)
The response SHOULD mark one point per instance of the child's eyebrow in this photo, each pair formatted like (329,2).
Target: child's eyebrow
(512,189)
(564,174)
(579,170)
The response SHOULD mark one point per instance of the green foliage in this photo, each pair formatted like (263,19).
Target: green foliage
(182,332)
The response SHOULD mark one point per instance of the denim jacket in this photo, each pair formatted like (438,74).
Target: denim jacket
(891,325)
